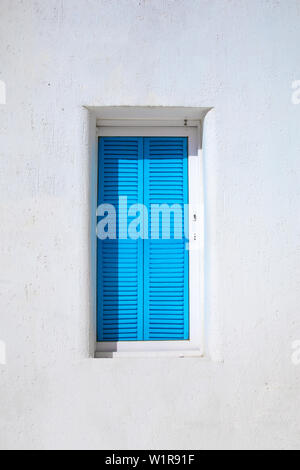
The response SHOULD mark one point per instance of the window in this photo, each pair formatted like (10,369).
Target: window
(148,276)
(143,260)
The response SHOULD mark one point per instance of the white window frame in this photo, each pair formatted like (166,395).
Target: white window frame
(194,347)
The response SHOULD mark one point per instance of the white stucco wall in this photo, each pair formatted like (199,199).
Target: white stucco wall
(240,57)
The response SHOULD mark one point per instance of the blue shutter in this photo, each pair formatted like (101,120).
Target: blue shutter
(143,285)
(166,261)
(120,261)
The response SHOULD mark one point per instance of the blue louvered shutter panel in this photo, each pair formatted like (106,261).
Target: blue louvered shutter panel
(120,261)
(143,285)
(166,261)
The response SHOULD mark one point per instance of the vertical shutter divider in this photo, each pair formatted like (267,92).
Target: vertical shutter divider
(141,243)
(99,251)
(147,241)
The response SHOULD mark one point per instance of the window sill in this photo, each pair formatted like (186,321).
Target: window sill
(148,354)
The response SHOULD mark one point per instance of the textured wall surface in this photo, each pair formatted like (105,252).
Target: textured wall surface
(238,56)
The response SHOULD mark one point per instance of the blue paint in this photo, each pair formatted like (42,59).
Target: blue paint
(143,285)
(166,262)
(120,262)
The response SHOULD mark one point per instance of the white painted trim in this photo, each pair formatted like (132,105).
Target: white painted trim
(146,123)
(195,346)
(148,354)
(157,113)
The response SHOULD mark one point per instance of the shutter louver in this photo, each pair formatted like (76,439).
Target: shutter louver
(120,261)
(143,285)
(166,261)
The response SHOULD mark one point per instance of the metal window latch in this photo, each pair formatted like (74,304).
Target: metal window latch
(195,237)
(195,217)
